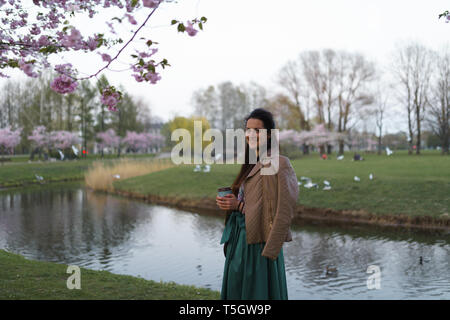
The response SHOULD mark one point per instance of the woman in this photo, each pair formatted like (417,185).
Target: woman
(259,214)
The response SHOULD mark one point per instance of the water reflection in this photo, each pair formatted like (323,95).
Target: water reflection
(74,226)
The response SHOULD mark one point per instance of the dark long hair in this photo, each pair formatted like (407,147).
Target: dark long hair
(267,118)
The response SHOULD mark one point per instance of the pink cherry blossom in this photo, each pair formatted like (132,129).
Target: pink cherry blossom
(64,84)
(318,136)
(190,29)
(138,77)
(35,30)
(110,98)
(92,44)
(9,139)
(137,141)
(43,41)
(63,139)
(106,57)
(152,77)
(108,139)
(27,68)
(39,137)
(131,18)
(151,3)
(74,40)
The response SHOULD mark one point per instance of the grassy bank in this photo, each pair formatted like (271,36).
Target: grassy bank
(412,186)
(27,279)
(21,173)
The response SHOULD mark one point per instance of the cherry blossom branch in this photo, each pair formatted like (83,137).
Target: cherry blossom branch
(38,45)
(120,51)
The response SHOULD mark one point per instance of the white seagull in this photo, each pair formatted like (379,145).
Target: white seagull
(311,185)
(75,150)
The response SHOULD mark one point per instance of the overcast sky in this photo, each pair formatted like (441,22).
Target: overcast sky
(250,40)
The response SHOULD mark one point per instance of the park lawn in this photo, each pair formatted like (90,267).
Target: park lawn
(25,173)
(18,173)
(26,157)
(28,279)
(415,185)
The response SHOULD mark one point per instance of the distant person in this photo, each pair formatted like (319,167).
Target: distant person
(256,227)
(357,157)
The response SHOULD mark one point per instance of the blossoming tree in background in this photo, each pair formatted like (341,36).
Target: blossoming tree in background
(40,139)
(63,140)
(141,141)
(133,141)
(321,138)
(157,142)
(318,137)
(53,141)
(33,31)
(9,139)
(108,139)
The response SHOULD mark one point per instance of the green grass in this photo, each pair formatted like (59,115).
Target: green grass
(26,157)
(27,279)
(415,185)
(20,172)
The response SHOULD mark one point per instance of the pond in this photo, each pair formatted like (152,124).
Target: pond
(68,224)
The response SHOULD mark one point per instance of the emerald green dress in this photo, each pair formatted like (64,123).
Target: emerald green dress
(247,274)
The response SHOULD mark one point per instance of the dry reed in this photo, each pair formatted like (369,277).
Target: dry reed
(101,175)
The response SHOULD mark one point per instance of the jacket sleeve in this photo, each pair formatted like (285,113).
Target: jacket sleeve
(286,204)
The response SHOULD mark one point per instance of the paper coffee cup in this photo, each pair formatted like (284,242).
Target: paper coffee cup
(224,191)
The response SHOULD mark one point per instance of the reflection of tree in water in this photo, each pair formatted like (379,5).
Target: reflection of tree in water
(63,225)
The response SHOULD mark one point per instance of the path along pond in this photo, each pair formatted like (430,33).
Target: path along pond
(66,223)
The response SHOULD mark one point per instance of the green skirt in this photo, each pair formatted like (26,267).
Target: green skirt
(247,274)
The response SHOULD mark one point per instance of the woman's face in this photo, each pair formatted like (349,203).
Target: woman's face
(252,130)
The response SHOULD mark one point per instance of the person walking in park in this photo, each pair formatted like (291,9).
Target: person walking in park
(258,217)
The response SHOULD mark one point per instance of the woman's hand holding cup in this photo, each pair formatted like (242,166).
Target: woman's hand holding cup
(226,200)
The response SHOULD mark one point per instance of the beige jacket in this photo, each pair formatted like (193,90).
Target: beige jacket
(270,202)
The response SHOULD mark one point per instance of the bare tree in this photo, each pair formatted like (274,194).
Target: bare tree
(355,73)
(290,78)
(379,111)
(206,104)
(311,63)
(439,104)
(285,112)
(412,67)
(255,96)
(327,80)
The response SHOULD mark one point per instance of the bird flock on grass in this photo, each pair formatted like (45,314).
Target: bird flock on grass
(309,184)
